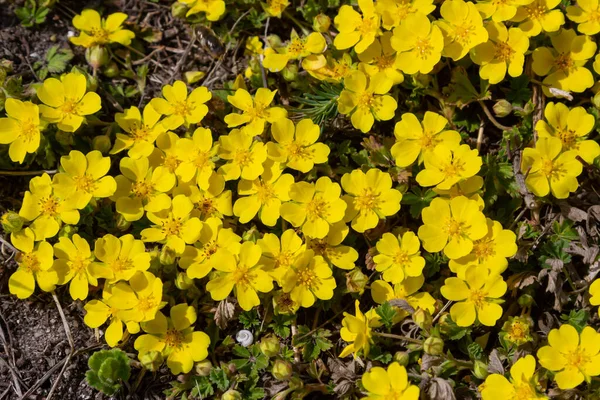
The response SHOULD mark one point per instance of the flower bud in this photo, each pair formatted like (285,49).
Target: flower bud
(12,222)
(502,108)
(101,143)
(167,256)
(251,235)
(480,370)
(231,395)
(290,72)
(321,23)
(64,138)
(122,224)
(282,370)
(96,56)
(151,360)
(111,70)
(203,368)
(433,346)
(422,318)
(183,282)
(402,358)
(67,231)
(274,41)
(596,100)
(525,300)
(179,10)
(270,346)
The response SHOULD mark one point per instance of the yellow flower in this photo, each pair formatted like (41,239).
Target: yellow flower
(391,384)
(197,156)
(309,49)
(462,27)
(314,207)
(522,385)
(394,12)
(180,108)
(336,69)
(500,10)
(45,209)
(255,111)
(550,170)
(415,139)
(264,195)
(445,166)
(214,201)
(141,132)
(564,65)
(380,57)
(331,248)
(477,297)
(452,226)
(470,188)
(166,153)
(175,338)
(242,273)
(123,256)
(214,9)
(297,147)
(419,44)
(571,356)
(369,197)
(570,126)
(66,102)
(310,277)
(587,14)
(142,188)
(148,289)
(75,264)
(407,290)
(21,129)
(504,51)
(491,251)
(96,31)
(356,30)
(245,157)
(365,99)
(595,293)
(278,256)
(175,226)
(516,331)
(538,16)
(35,265)
(274,8)
(356,330)
(198,260)
(84,178)
(115,300)
(399,257)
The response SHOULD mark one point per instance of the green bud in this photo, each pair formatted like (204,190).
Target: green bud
(179,10)
(64,138)
(101,143)
(151,360)
(231,395)
(270,346)
(203,368)
(274,41)
(321,23)
(183,282)
(596,100)
(480,370)
(525,300)
(251,235)
(422,318)
(356,281)
(167,256)
(282,370)
(402,358)
(433,346)
(12,222)
(96,56)
(111,70)
(67,231)
(502,108)
(122,223)
(290,72)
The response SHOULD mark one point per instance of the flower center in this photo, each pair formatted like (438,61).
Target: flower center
(173,338)
(147,303)
(182,108)
(319,246)
(142,189)
(207,207)
(210,248)
(564,63)
(524,391)
(85,183)
(79,264)
(424,48)
(401,257)
(296,150)
(100,35)
(242,276)
(368,25)
(29,130)
(477,297)
(483,249)
(367,200)
(454,228)
(120,265)
(295,48)
(258,111)
(403,8)
(503,51)
(202,160)
(384,62)
(171,162)
(243,158)
(283,259)
(568,138)
(536,10)
(307,277)
(316,208)
(140,133)
(365,100)
(578,358)
(49,205)
(70,106)
(172,226)
(29,262)
(454,168)
(265,192)
(428,141)
(518,331)
(463,33)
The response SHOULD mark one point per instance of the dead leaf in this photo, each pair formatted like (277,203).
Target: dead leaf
(495,364)
(572,213)
(403,304)
(440,389)
(224,313)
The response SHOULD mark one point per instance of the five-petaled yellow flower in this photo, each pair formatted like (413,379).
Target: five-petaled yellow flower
(314,206)
(538,16)
(181,108)
(278,256)
(394,12)
(356,330)
(500,10)
(123,256)
(476,296)
(586,13)
(356,30)
(66,102)
(308,279)
(196,155)
(452,226)
(446,166)
(522,384)
(366,100)
(332,249)
(462,27)
(96,31)
(21,129)
(214,9)
(392,383)
(141,131)
(245,157)
(399,257)
(255,111)
(309,49)
(595,293)
(380,57)
(381,291)
(573,357)
(548,169)
(369,197)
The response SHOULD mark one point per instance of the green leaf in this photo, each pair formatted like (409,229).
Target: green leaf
(475,351)
(219,377)
(108,369)
(577,318)
(249,319)
(387,313)
(418,199)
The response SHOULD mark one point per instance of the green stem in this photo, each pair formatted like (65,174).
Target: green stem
(398,337)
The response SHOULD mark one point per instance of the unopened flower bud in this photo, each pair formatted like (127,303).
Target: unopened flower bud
(402,358)
(67,231)
(101,143)
(422,318)
(480,370)
(111,70)
(183,282)
(282,370)
(525,300)
(433,346)
(203,368)
(596,100)
(290,72)
(151,360)
(167,256)
(64,138)
(502,108)
(12,222)
(270,346)
(274,41)
(122,224)
(356,281)
(96,56)
(251,235)
(231,395)
(321,23)
(179,10)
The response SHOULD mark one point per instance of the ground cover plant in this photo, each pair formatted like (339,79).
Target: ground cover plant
(282,200)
